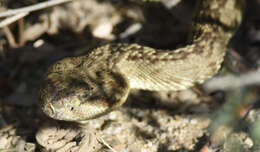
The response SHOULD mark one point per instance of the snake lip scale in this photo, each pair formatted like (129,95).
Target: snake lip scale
(86,87)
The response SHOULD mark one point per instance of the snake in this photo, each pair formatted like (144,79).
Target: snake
(86,87)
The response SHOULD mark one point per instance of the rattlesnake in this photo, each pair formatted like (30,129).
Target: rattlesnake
(86,87)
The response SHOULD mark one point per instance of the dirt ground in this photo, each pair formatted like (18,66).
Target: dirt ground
(197,119)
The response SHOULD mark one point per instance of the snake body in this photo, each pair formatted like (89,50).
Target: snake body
(86,87)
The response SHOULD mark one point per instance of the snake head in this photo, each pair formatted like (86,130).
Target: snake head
(78,95)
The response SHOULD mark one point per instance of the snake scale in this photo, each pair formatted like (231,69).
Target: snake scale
(86,87)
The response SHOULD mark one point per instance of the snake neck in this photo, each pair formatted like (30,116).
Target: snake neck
(146,68)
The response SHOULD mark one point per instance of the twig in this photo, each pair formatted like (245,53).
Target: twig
(10,37)
(230,82)
(21,40)
(12,19)
(38,6)
(106,144)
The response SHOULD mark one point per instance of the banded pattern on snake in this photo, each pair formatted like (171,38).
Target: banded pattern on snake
(86,87)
